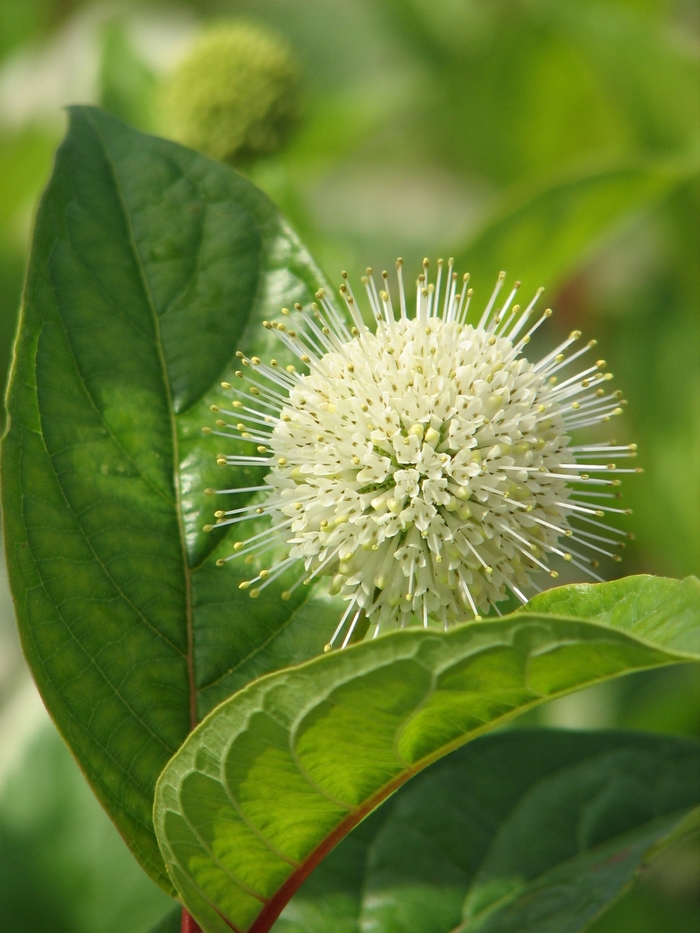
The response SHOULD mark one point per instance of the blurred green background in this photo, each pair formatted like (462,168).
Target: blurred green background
(557,139)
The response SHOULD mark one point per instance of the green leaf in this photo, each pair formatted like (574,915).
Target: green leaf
(648,910)
(278,774)
(535,831)
(661,611)
(150,266)
(544,234)
(331,898)
(170,923)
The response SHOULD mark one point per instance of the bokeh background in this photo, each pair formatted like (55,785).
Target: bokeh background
(557,139)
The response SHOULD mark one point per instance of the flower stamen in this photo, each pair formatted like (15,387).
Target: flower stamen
(424,466)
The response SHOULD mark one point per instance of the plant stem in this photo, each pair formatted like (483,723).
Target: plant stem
(189,925)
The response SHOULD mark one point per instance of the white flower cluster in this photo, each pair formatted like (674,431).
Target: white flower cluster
(426,467)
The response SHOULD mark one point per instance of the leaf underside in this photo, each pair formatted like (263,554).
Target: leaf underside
(532,830)
(277,775)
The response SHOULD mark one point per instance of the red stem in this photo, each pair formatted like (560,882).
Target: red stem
(189,925)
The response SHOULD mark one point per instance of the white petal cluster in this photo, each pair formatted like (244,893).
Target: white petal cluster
(426,467)
(412,465)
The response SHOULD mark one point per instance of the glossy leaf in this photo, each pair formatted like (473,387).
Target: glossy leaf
(150,266)
(277,775)
(502,835)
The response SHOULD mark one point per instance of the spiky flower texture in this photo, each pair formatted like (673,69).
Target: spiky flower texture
(425,467)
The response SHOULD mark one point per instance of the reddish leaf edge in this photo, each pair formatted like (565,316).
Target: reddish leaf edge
(189,924)
(272,909)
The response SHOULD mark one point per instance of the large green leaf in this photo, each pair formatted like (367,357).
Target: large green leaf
(535,831)
(272,780)
(150,266)
(544,234)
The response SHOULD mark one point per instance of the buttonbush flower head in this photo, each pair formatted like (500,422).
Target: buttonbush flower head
(425,466)
(236,95)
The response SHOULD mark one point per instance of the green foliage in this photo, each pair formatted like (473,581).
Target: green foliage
(25,158)
(171,922)
(546,235)
(278,774)
(652,77)
(20,22)
(131,631)
(127,85)
(63,866)
(149,265)
(641,911)
(531,86)
(573,124)
(654,337)
(527,830)
(235,95)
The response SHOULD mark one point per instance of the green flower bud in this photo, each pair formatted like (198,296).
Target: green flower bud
(236,95)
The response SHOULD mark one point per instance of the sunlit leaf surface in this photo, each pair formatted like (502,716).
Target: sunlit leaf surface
(277,775)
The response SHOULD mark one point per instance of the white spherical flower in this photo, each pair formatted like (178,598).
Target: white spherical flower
(427,467)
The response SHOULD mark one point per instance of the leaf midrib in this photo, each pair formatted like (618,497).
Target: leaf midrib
(284,893)
(173,427)
(76,514)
